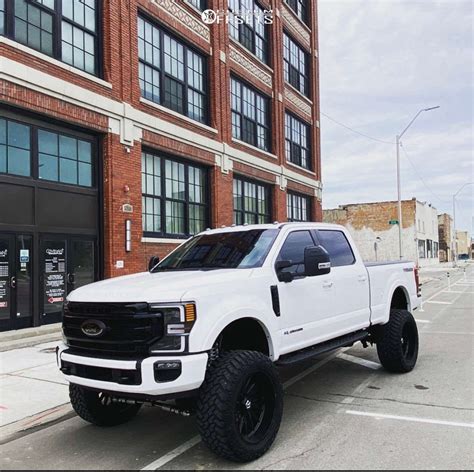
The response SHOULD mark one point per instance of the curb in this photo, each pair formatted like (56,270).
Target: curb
(29,337)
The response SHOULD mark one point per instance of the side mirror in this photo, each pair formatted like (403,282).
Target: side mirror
(316,261)
(283,276)
(152,262)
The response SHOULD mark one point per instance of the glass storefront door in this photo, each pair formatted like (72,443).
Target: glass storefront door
(66,263)
(16,262)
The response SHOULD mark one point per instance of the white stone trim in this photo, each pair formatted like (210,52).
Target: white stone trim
(258,72)
(298,101)
(184,17)
(163,240)
(56,62)
(177,115)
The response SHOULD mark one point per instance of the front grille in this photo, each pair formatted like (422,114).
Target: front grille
(129,329)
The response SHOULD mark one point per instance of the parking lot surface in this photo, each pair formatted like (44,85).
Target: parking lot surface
(342,411)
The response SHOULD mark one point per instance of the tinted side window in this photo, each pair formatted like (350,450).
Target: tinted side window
(337,246)
(293,250)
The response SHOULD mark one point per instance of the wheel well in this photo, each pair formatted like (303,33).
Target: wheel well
(244,334)
(399,299)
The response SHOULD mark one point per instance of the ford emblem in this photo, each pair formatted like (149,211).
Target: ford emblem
(93,328)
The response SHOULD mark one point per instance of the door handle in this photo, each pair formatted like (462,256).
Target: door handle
(362,278)
(71,278)
(13,282)
(327,284)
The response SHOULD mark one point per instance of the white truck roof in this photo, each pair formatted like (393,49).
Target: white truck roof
(247,227)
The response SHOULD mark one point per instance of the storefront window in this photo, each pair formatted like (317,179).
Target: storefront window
(14,148)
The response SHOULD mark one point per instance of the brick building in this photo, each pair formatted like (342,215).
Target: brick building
(374,227)
(446,237)
(128,125)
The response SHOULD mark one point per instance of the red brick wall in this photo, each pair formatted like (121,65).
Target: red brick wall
(122,164)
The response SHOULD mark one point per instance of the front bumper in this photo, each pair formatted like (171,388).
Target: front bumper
(193,371)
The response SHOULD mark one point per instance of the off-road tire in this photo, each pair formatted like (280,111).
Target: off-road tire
(221,408)
(398,346)
(92,406)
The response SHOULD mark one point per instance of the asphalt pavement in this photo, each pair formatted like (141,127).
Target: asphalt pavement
(342,411)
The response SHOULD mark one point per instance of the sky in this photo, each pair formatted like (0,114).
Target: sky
(380,62)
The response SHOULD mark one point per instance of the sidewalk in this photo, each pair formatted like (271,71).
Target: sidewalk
(32,390)
(27,337)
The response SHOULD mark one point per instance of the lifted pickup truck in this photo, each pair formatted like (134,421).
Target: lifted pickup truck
(204,330)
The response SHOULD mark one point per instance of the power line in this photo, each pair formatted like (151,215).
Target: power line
(355,131)
(420,177)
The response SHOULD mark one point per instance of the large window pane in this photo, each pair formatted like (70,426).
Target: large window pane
(247,26)
(250,115)
(296,62)
(15,146)
(297,142)
(298,207)
(166,62)
(35,22)
(300,7)
(251,202)
(183,204)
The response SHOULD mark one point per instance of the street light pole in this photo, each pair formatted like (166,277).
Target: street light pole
(455,248)
(399,190)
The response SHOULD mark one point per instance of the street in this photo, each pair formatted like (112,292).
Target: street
(342,411)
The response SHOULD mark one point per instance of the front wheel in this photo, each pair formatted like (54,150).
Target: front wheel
(99,408)
(398,346)
(240,406)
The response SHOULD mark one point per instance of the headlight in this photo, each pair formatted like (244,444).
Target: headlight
(177,324)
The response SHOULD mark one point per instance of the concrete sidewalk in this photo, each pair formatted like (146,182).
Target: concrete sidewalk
(32,390)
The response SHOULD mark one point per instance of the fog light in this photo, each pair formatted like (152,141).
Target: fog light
(167,371)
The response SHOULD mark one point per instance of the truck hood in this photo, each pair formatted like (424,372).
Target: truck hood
(154,288)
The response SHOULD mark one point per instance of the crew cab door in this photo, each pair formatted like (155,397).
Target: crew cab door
(351,307)
(305,302)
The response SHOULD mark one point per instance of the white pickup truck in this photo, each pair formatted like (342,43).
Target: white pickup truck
(205,329)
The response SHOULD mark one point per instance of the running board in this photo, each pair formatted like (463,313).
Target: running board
(327,346)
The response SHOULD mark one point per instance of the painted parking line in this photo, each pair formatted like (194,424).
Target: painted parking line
(413,419)
(359,361)
(422,321)
(436,302)
(169,456)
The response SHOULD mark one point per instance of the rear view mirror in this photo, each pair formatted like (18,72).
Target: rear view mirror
(316,261)
(152,262)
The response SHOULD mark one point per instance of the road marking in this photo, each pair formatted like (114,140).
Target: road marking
(449,333)
(169,456)
(410,418)
(458,291)
(358,360)
(173,454)
(439,303)
(422,321)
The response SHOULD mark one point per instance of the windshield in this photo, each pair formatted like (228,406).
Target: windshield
(232,250)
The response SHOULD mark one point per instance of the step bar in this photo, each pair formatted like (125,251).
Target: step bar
(308,353)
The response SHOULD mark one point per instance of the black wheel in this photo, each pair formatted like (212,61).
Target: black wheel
(99,408)
(398,345)
(240,406)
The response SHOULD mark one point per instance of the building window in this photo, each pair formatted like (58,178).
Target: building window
(15,148)
(170,73)
(296,65)
(250,115)
(248,26)
(297,142)
(44,154)
(251,202)
(421,249)
(64,159)
(65,30)
(298,207)
(199,4)
(174,197)
(300,7)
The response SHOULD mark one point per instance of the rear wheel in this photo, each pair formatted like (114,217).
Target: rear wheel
(398,345)
(240,406)
(100,408)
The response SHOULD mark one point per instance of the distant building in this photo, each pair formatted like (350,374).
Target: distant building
(446,237)
(463,245)
(374,227)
